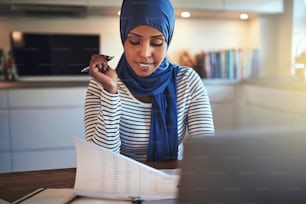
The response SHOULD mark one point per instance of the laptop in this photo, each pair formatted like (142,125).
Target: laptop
(245,166)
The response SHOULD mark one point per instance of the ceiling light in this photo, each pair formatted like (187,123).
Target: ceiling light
(119,12)
(244,16)
(185,14)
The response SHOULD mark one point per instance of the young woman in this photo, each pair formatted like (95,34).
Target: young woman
(146,106)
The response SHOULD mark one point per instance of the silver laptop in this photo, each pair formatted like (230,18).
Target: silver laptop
(246,166)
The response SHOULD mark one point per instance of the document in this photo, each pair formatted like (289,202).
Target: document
(108,175)
(66,196)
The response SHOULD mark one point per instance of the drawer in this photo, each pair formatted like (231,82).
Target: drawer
(35,98)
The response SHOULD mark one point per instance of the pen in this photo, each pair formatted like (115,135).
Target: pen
(85,69)
(136,200)
(108,58)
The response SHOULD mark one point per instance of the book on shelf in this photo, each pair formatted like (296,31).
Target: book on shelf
(232,64)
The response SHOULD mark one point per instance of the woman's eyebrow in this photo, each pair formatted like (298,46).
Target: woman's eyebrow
(154,36)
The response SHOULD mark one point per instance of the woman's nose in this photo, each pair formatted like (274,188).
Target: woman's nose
(145,49)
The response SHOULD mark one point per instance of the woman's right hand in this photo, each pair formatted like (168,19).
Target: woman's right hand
(99,69)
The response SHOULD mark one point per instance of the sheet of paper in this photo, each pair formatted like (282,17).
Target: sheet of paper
(104,174)
(65,196)
(50,196)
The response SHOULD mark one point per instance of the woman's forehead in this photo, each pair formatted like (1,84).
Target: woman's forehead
(145,31)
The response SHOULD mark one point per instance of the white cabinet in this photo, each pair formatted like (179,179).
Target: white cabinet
(267,107)
(46,97)
(258,6)
(4,122)
(222,98)
(5,143)
(263,106)
(46,128)
(4,130)
(299,107)
(106,3)
(40,159)
(43,124)
(199,4)
(46,2)
(39,125)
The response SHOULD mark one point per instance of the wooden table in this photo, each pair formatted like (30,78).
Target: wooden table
(16,185)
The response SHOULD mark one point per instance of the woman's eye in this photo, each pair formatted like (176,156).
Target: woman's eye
(157,42)
(134,42)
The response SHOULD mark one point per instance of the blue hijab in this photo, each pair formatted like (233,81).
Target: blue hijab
(160,85)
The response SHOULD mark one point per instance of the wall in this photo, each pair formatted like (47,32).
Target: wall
(280,35)
(195,35)
(191,34)
(299,27)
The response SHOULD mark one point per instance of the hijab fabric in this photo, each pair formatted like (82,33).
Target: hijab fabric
(160,85)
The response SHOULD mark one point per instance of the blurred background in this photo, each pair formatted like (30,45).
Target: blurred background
(250,55)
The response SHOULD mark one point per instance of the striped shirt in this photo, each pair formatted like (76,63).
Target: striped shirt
(121,123)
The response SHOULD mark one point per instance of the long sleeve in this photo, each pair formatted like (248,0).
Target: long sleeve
(102,117)
(199,114)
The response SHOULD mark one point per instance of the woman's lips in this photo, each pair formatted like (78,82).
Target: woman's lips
(144,65)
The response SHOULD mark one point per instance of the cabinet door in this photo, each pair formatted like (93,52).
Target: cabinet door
(46,118)
(46,97)
(5,162)
(4,122)
(199,4)
(5,148)
(46,128)
(4,131)
(44,125)
(47,159)
(268,107)
(299,107)
(222,103)
(258,6)
(3,99)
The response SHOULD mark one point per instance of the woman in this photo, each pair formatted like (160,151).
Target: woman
(145,107)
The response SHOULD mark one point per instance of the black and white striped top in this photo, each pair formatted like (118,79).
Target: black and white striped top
(121,123)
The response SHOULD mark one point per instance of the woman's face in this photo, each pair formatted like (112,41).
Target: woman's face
(145,48)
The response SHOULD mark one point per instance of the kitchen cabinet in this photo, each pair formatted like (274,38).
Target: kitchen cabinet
(39,127)
(42,123)
(5,147)
(266,106)
(259,6)
(222,99)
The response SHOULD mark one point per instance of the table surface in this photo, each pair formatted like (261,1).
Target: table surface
(18,184)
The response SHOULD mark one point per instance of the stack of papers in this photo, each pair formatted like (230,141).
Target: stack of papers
(104,177)
(102,173)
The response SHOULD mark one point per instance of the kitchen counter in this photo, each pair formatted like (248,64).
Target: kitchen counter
(42,84)
(286,83)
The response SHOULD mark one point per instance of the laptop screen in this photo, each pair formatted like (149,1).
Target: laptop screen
(247,166)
